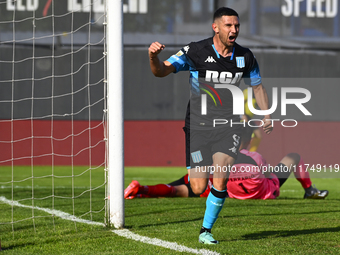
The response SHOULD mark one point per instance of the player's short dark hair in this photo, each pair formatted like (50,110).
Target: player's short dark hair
(224,11)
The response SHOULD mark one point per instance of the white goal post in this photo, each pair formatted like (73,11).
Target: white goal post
(115,112)
(62,117)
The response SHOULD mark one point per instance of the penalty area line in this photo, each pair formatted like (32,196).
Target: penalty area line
(121,232)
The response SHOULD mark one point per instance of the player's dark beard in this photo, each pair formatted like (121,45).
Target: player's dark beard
(225,42)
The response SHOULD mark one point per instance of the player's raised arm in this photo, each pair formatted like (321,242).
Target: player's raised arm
(159,68)
(262,101)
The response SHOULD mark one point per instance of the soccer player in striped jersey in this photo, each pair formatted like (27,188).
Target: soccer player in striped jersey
(216,67)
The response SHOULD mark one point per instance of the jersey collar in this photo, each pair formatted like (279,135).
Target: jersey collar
(232,54)
(218,55)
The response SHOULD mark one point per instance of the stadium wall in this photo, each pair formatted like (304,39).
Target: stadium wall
(162,143)
(152,143)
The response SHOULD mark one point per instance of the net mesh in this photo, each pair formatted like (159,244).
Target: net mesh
(52,117)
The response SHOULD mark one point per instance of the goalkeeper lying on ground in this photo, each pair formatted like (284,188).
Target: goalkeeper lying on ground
(250,178)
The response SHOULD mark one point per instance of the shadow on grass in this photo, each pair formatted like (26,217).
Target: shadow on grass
(178,209)
(29,243)
(282,213)
(233,203)
(234,216)
(164,223)
(310,200)
(288,233)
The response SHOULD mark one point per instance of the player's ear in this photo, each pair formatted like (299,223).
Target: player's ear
(215,27)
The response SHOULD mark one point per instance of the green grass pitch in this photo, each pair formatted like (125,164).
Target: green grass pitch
(287,225)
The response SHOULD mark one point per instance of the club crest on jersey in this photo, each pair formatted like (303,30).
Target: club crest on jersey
(240,62)
(196,156)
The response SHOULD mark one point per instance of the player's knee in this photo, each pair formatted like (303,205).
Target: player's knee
(294,156)
(221,159)
(198,188)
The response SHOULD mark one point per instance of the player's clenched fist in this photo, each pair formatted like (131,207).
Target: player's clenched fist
(159,68)
(155,48)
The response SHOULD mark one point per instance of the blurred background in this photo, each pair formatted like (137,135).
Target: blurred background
(296,43)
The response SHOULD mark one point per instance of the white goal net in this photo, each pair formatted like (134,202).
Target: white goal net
(52,111)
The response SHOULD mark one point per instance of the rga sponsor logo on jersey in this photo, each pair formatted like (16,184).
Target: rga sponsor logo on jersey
(223,77)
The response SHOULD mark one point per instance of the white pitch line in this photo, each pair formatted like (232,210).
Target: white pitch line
(158,242)
(121,232)
(60,214)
